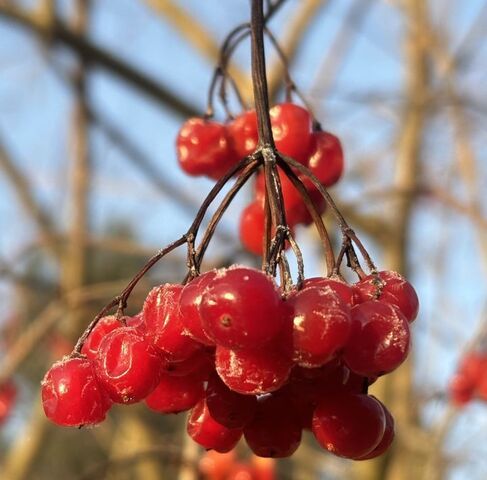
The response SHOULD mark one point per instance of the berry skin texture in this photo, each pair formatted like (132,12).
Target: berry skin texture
(379,341)
(210,434)
(291,129)
(128,366)
(241,308)
(189,303)
(176,394)
(8,395)
(326,158)
(254,372)
(348,425)
(275,431)
(387,438)
(396,290)
(228,407)
(344,291)
(321,325)
(164,325)
(243,133)
(104,326)
(72,395)
(203,148)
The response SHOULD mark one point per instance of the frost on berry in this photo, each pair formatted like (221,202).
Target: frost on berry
(104,326)
(72,395)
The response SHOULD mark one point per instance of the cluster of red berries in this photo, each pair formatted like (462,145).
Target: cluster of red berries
(247,361)
(8,396)
(210,148)
(470,380)
(225,466)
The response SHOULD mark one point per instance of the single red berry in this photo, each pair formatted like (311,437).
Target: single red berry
(189,304)
(8,395)
(72,395)
(344,291)
(473,366)
(241,308)
(228,407)
(379,341)
(127,365)
(326,158)
(137,321)
(104,326)
(256,371)
(387,438)
(291,129)
(390,287)
(322,325)
(275,430)
(349,425)
(164,325)
(243,133)
(176,394)
(203,148)
(461,390)
(210,434)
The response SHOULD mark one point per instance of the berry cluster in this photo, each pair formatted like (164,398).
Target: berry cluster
(206,147)
(248,361)
(8,395)
(225,466)
(470,380)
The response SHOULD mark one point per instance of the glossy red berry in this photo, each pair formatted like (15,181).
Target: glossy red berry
(291,129)
(349,425)
(210,434)
(203,148)
(387,438)
(164,325)
(227,406)
(243,133)
(251,228)
(342,289)
(127,365)
(189,304)
(275,430)
(326,158)
(176,394)
(72,395)
(8,396)
(379,341)
(201,362)
(256,371)
(390,287)
(321,325)
(241,308)
(104,326)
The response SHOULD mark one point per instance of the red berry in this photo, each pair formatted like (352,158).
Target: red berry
(137,321)
(473,366)
(380,339)
(164,325)
(203,148)
(344,291)
(251,228)
(387,438)
(104,326)
(127,365)
(461,390)
(322,325)
(72,395)
(349,425)
(189,304)
(275,430)
(216,466)
(243,133)
(326,158)
(241,308)
(390,287)
(291,129)
(8,395)
(201,362)
(241,471)
(210,434)
(176,394)
(228,407)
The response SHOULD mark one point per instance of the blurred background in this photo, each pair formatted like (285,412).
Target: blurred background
(92,94)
